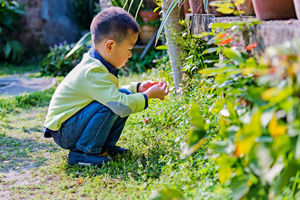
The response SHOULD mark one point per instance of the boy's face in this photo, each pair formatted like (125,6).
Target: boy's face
(120,53)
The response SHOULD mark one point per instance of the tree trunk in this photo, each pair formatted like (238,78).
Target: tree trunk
(173,50)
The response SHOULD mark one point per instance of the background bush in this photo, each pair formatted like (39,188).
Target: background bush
(55,63)
(10,13)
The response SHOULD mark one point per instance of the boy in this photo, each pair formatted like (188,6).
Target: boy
(87,112)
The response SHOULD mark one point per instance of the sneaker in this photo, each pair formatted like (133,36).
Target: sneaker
(115,150)
(84,159)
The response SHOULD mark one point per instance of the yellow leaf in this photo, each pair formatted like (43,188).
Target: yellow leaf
(245,137)
(248,71)
(224,169)
(156,9)
(242,147)
(79,181)
(239,2)
(275,129)
(270,93)
(220,4)
(225,10)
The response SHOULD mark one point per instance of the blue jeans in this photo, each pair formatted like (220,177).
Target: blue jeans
(91,128)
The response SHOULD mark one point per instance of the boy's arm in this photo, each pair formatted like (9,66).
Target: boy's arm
(133,87)
(102,89)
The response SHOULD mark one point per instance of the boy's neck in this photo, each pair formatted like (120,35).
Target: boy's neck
(101,52)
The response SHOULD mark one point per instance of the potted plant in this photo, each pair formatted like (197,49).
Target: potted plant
(148,20)
(274,9)
(149,25)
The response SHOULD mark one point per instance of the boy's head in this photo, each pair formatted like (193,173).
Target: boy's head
(114,32)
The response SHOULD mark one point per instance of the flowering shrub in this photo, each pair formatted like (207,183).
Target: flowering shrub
(55,63)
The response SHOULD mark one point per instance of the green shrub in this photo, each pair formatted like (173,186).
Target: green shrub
(257,146)
(10,13)
(55,63)
(135,64)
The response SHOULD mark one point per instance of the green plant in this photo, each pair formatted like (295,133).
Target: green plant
(131,6)
(195,54)
(257,110)
(57,64)
(10,13)
(154,23)
(83,12)
(137,65)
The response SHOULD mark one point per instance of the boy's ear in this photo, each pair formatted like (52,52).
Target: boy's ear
(109,45)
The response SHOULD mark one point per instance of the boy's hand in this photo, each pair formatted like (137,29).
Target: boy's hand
(146,85)
(159,90)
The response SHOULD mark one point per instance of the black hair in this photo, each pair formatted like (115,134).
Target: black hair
(115,23)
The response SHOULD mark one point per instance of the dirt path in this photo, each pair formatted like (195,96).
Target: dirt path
(15,86)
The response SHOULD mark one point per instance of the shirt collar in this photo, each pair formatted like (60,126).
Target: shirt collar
(94,54)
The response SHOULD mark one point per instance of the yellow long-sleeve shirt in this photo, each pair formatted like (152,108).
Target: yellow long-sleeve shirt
(91,81)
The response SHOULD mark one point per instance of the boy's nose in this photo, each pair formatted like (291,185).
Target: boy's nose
(130,54)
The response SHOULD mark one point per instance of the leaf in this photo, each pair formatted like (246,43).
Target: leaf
(234,55)
(162,47)
(240,187)
(275,129)
(230,106)
(245,137)
(276,95)
(167,77)
(217,106)
(270,93)
(224,169)
(239,2)
(196,115)
(167,194)
(210,50)
(7,49)
(225,10)
(197,134)
(86,38)
(170,9)
(79,181)
(287,173)
(202,34)
(223,146)
(214,70)
(220,4)
(221,25)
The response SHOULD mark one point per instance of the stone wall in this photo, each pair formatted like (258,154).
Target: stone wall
(269,33)
(47,22)
(31,35)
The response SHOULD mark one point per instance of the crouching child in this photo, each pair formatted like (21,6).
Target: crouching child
(88,110)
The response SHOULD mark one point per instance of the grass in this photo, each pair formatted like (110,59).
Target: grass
(9,69)
(33,167)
